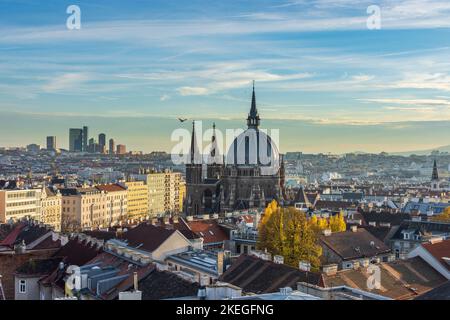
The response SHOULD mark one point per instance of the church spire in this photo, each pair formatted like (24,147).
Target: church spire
(253,116)
(194,147)
(435,175)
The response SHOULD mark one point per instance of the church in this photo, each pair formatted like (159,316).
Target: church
(249,176)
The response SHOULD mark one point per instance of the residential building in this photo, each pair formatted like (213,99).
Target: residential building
(137,193)
(116,203)
(436,253)
(51,209)
(257,276)
(352,249)
(83,208)
(16,204)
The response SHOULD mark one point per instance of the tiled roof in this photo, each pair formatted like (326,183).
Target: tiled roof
(77,252)
(147,237)
(353,245)
(255,275)
(333,205)
(401,279)
(110,188)
(209,230)
(439,250)
(440,293)
(165,285)
(39,267)
(395,219)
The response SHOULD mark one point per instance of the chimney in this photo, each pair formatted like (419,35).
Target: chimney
(278,259)
(135,278)
(220,262)
(326,232)
(354,228)
(330,269)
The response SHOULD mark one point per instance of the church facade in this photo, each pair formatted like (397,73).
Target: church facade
(249,176)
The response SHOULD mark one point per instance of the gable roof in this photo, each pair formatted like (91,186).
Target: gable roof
(160,285)
(147,236)
(260,276)
(209,230)
(401,279)
(439,250)
(353,245)
(38,267)
(77,252)
(440,293)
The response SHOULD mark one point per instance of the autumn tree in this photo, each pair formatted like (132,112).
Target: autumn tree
(287,232)
(337,223)
(443,217)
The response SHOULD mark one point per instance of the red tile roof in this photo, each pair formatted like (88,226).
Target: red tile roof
(110,188)
(12,236)
(439,250)
(209,230)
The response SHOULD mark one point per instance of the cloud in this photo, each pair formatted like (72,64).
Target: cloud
(164,97)
(193,91)
(65,81)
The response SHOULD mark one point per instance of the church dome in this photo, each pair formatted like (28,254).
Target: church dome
(253,147)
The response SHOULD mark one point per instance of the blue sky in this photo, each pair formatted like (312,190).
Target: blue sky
(326,81)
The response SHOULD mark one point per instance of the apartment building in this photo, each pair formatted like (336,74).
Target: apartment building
(16,204)
(83,208)
(137,200)
(51,208)
(116,203)
(163,191)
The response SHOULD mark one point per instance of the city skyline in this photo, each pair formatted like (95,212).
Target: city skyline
(326,81)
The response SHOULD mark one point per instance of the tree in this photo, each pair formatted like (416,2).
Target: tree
(443,217)
(287,232)
(337,223)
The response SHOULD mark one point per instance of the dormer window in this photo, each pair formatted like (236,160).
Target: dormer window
(406,236)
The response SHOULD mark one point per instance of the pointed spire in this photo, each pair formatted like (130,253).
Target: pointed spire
(435,175)
(253,117)
(194,147)
(213,142)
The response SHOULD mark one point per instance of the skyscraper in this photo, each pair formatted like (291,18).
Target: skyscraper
(51,143)
(102,142)
(85,138)
(75,140)
(121,149)
(112,146)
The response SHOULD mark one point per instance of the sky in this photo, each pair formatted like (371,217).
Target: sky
(323,78)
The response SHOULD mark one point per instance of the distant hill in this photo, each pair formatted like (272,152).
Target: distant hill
(422,152)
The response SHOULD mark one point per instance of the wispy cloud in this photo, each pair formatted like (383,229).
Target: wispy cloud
(65,81)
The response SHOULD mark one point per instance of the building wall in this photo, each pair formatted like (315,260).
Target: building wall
(137,193)
(176,243)
(18,204)
(31,285)
(51,211)
(116,207)
(10,261)
(86,210)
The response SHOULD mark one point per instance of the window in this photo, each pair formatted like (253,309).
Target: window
(22,286)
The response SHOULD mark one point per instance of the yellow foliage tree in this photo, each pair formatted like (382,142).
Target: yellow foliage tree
(288,232)
(322,223)
(337,223)
(443,217)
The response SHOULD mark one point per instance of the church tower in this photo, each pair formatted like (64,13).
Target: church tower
(194,165)
(253,117)
(435,185)
(215,166)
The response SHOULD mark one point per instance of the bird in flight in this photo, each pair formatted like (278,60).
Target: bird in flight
(182,119)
